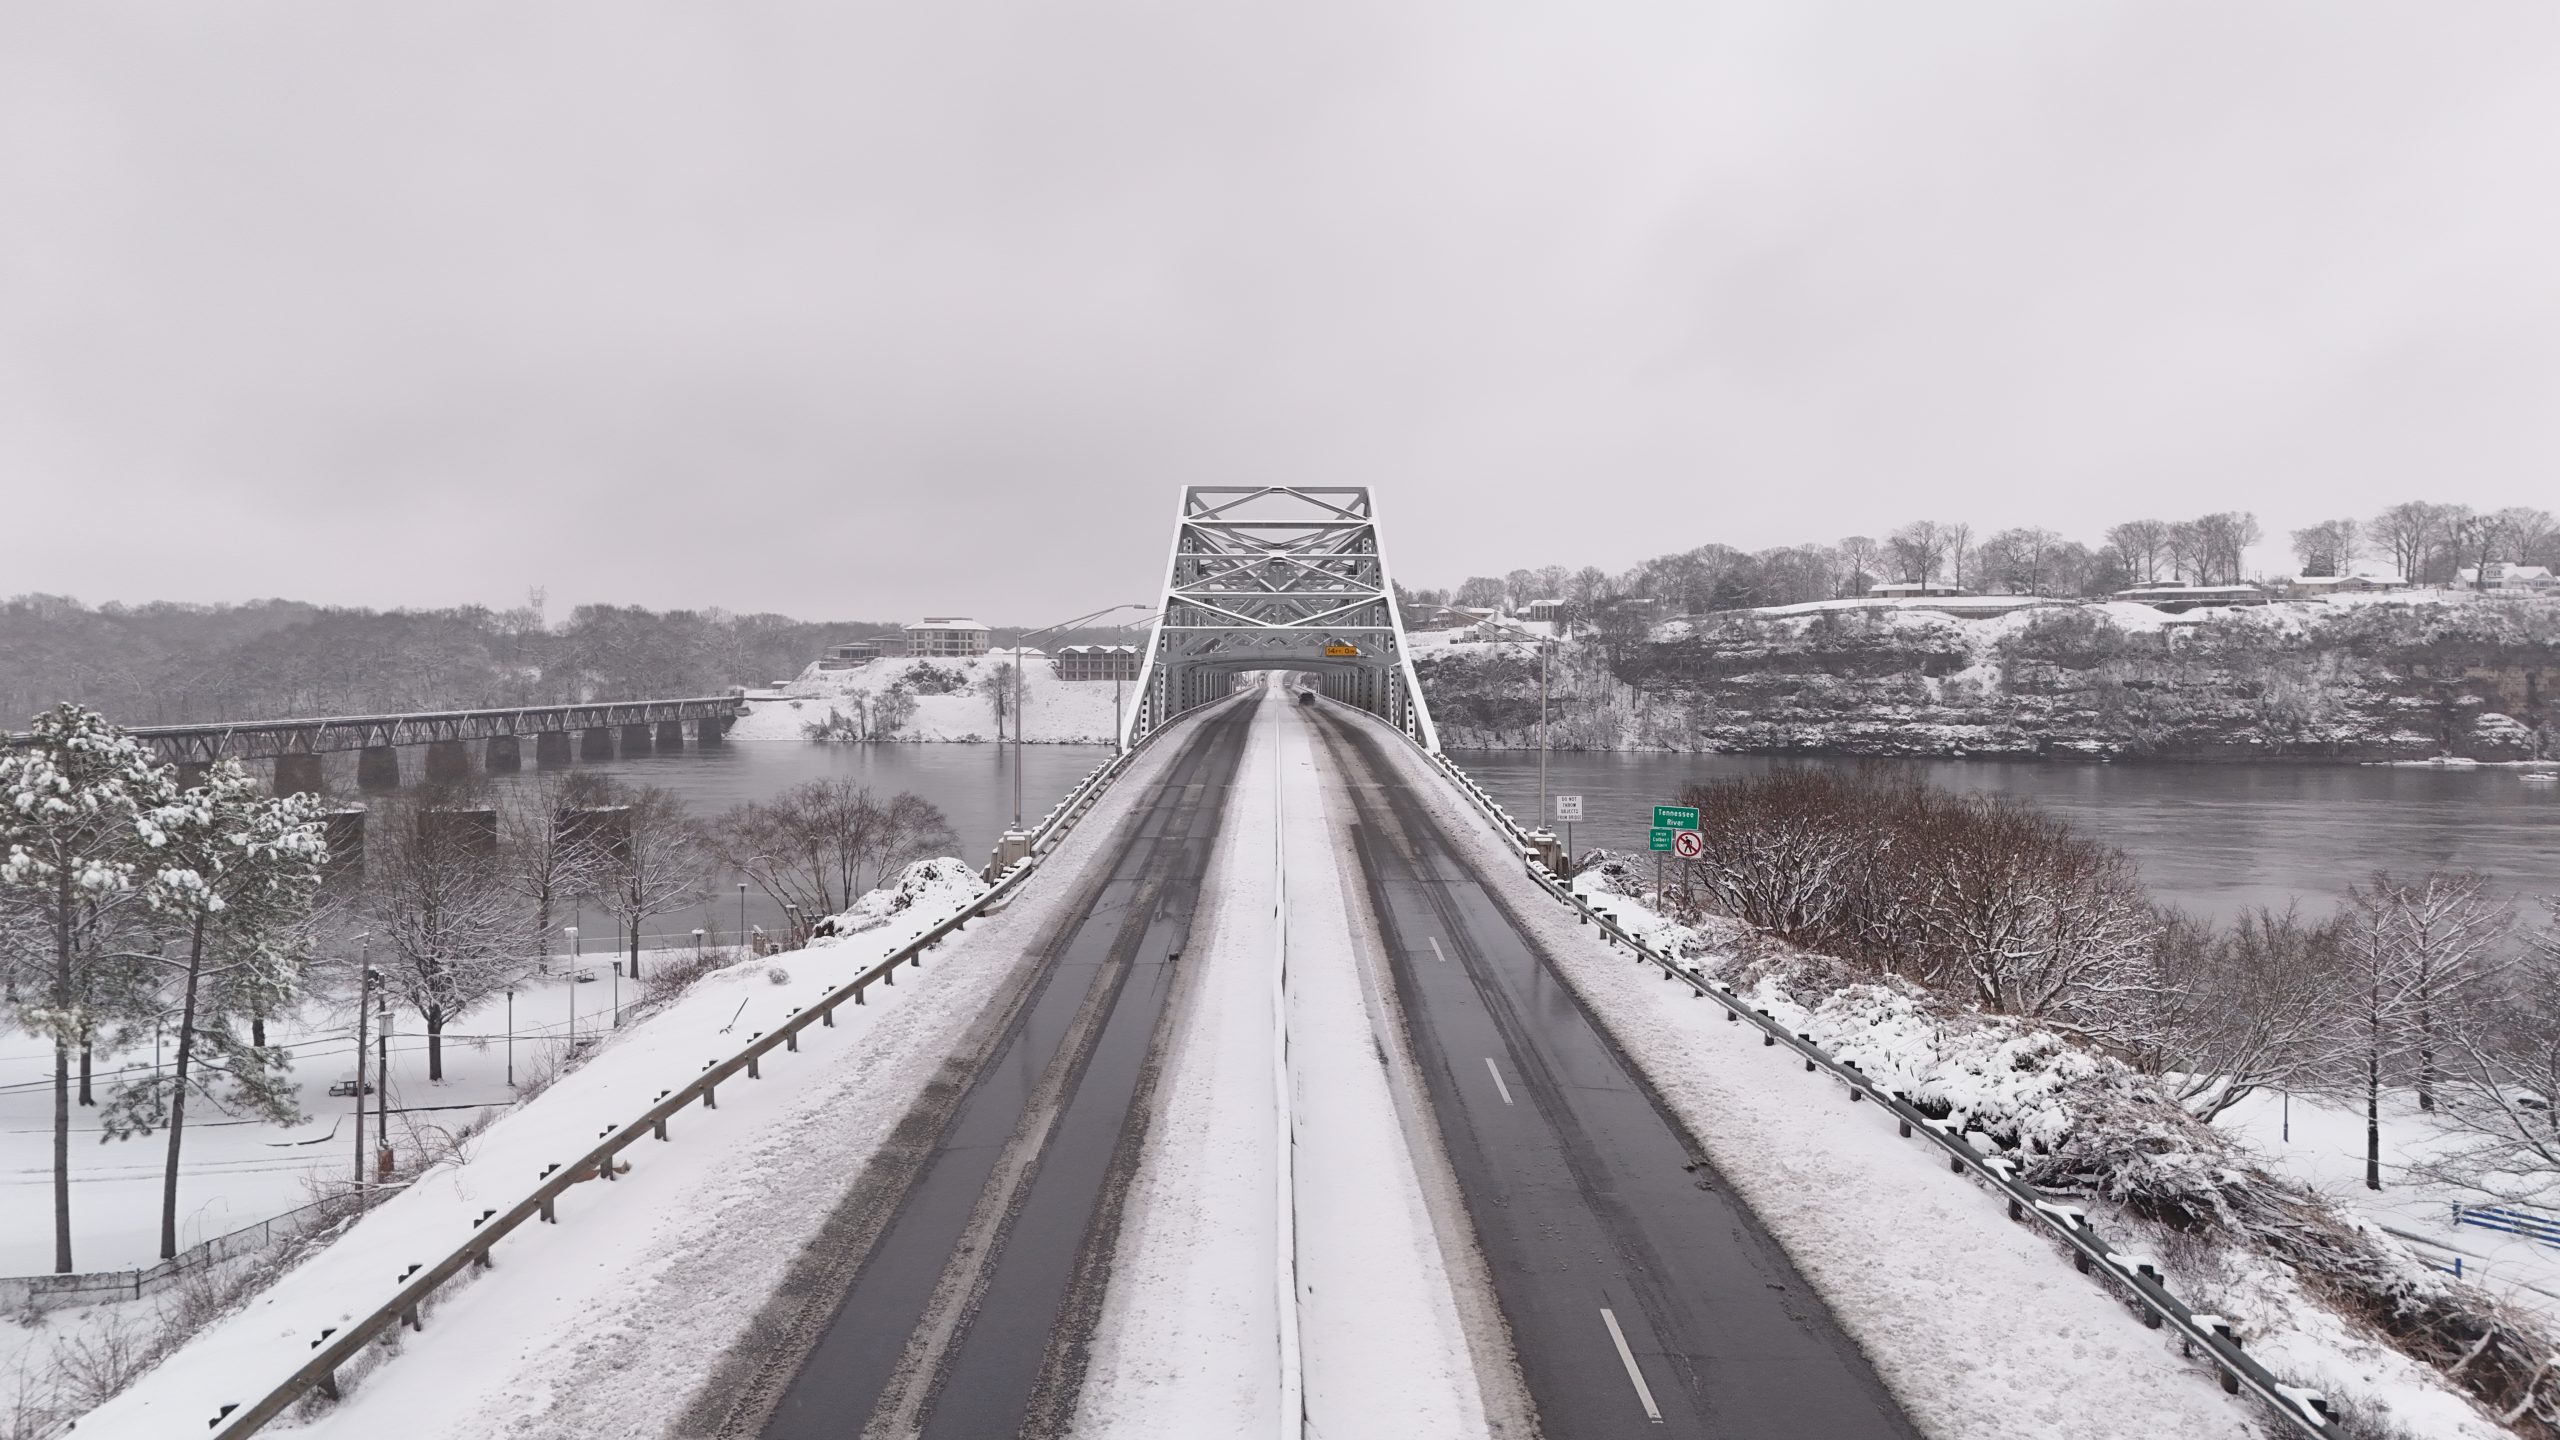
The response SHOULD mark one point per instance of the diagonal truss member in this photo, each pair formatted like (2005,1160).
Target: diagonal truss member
(1285,578)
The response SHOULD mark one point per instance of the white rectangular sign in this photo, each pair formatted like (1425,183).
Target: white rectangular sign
(1569,807)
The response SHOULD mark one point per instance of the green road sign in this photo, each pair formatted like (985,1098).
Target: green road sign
(1661,838)
(1674,817)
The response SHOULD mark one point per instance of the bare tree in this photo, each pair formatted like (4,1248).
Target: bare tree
(1959,549)
(1860,560)
(658,863)
(2144,545)
(549,858)
(446,928)
(2501,1105)
(2408,533)
(2525,534)
(2229,1013)
(1918,549)
(2448,929)
(2378,1004)
(2328,548)
(823,844)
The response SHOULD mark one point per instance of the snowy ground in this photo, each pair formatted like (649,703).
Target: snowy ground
(1191,1340)
(603,1324)
(1057,711)
(2321,1144)
(234,1173)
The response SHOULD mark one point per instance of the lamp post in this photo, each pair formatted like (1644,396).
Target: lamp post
(511,1037)
(1018,647)
(382,1089)
(742,909)
(576,959)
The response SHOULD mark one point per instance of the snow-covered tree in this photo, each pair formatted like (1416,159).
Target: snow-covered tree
(76,829)
(232,884)
(2500,1103)
(446,931)
(549,859)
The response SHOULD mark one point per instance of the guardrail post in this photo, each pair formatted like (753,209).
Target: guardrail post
(549,1216)
(791,1040)
(827,1016)
(328,1384)
(753,1073)
(710,1097)
(660,1128)
(409,1317)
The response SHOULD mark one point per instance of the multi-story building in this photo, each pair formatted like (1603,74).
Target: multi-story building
(947,637)
(1097,662)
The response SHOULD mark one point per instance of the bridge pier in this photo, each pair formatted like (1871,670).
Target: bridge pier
(378,768)
(191,773)
(671,735)
(710,731)
(504,754)
(552,749)
(596,743)
(448,762)
(300,775)
(636,739)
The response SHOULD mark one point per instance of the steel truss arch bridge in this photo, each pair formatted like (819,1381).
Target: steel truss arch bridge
(1277,577)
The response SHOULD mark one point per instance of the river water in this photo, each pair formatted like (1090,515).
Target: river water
(2211,839)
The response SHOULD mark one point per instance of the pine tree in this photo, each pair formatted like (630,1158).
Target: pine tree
(234,880)
(77,825)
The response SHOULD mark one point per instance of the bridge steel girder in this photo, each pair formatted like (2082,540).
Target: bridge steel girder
(1273,577)
(267,739)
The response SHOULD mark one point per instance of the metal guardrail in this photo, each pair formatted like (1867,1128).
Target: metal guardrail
(340,1345)
(2305,1410)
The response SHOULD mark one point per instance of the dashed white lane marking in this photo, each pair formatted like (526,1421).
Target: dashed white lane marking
(1618,1337)
(1435,949)
(1505,1090)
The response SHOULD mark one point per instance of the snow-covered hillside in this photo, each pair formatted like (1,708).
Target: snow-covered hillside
(957,700)
(2388,677)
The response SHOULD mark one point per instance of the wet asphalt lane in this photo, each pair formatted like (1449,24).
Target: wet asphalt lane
(1643,1299)
(970,1314)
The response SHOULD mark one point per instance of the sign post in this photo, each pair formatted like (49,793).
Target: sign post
(1675,829)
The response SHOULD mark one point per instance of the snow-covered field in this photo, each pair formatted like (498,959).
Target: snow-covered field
(2321,1143)
(604,1323)
(1057,712)
(234,1173)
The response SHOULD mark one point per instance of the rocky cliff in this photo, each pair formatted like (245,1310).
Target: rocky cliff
(2311,681)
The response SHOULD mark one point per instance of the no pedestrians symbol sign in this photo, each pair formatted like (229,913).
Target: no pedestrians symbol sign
(1688,844)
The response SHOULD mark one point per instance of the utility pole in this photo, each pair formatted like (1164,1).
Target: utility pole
(382,1106)
(511,1037)
(577,958)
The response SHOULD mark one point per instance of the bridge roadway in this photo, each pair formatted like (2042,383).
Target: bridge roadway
(1615,1252)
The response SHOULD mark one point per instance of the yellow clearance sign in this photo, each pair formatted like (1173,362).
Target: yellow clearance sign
(1342,649)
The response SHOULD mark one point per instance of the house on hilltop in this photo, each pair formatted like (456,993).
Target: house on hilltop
(947,637)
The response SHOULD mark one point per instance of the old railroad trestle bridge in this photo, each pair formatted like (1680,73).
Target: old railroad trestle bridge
(597,732)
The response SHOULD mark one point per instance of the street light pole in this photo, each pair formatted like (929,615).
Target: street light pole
(1021,644)
(577,959)
(364,998)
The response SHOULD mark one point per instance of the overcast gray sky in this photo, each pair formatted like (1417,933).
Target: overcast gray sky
(868,310)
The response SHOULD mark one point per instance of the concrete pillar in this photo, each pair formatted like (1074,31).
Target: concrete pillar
(596,744)
(711,730)
(300,775)
(448,761)
(671,735)
(504,755)
(378,768)
(191,773)
(636,739)
(551,749)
